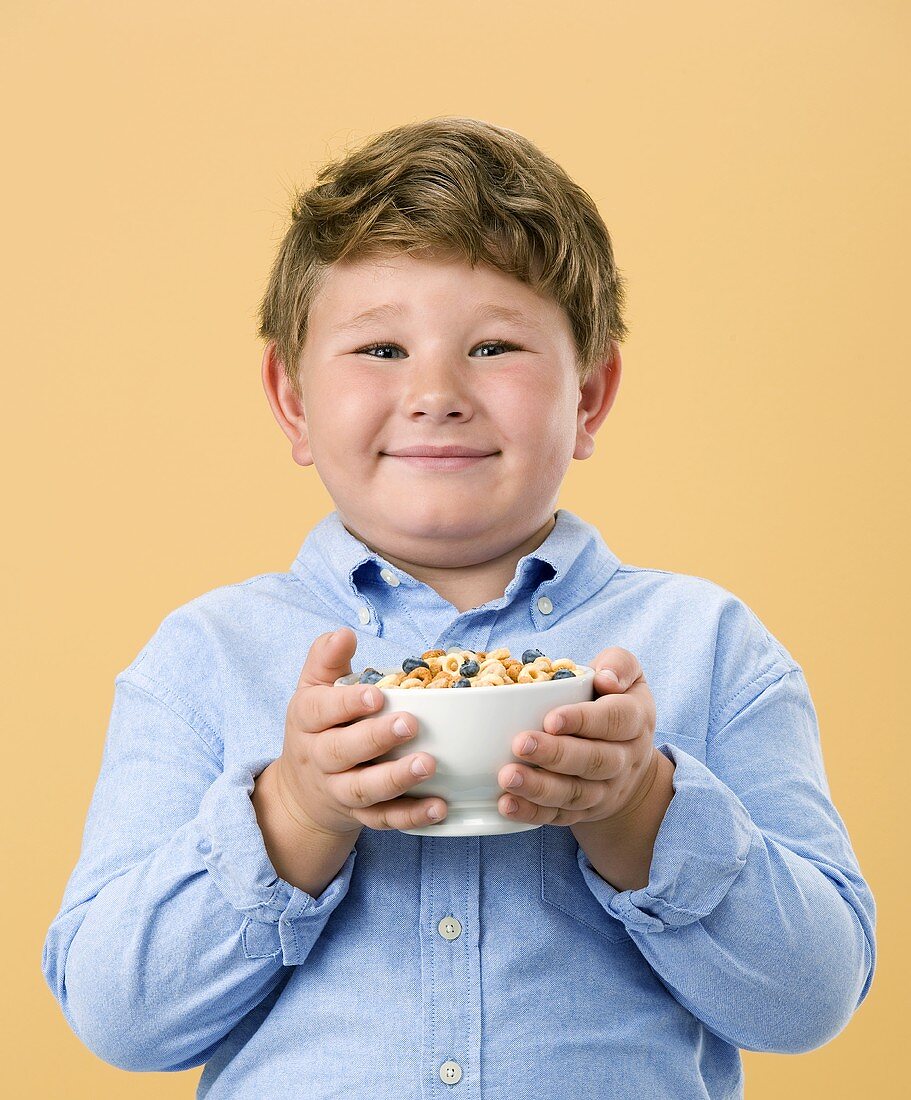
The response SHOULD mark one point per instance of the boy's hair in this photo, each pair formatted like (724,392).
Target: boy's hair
(444,185)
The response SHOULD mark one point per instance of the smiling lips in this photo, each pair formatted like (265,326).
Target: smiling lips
(440,458)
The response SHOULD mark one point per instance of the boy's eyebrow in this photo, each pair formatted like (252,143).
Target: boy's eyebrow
(486,311)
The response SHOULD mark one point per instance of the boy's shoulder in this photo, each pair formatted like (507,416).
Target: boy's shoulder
(692,596)
(192,634)
(713,626)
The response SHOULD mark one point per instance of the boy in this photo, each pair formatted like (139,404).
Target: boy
(442,325)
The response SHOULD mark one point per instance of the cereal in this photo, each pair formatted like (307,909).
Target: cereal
(464,668)
(388,681)
(451,664)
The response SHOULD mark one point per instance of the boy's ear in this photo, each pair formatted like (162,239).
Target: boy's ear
(287,407)
(595,401)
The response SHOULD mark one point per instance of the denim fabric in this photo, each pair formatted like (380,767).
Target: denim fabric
(176,945)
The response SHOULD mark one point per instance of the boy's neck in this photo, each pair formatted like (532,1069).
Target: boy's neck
(470,586)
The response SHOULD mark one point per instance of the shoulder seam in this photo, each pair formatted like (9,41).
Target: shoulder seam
(210,738)
(768,675)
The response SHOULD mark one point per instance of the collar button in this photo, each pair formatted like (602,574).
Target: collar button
(545,606)
(364,615)
(390,578)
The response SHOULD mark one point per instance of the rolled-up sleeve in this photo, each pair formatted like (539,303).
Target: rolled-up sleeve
(279,919)
(773,944)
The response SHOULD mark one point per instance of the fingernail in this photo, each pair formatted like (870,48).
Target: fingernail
(419,767)
(608,676)
(433,813)
(510,805)
(400,727)
(530,745)
(369,697)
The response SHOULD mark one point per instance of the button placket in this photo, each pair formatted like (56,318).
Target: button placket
(450,959)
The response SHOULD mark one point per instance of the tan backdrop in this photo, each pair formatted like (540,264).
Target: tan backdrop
(752,164)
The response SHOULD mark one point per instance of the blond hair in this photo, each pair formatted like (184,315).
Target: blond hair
(450,184)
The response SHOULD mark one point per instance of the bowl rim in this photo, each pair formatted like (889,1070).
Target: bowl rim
(409,693)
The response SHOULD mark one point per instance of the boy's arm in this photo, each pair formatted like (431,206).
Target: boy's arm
(754,914)
(174,914)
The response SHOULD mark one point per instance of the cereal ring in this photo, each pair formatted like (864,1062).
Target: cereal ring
(488,681)
(479,656)
(392,680)
(543,662)
(493,666)
(532,673)
(422,674)
(450,664)
(411,682)
(563,662)
(512,671)
(434,663)
(498,654)
(440,682)
(433,653)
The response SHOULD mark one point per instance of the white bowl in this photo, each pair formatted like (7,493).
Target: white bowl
(469,732)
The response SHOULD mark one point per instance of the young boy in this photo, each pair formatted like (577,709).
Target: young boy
(442,325)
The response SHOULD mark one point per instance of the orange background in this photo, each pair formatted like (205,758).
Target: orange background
(752,164)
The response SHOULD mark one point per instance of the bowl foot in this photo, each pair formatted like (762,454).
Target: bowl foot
(472,819)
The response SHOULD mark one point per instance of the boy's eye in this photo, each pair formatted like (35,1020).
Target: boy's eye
(487,344)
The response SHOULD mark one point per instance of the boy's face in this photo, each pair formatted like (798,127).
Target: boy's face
(439,374)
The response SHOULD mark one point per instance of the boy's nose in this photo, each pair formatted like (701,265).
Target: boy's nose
(439,393)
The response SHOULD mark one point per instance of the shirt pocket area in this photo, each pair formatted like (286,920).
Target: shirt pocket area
(563,886)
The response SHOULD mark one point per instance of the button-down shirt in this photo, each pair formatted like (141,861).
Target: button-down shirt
(482,967)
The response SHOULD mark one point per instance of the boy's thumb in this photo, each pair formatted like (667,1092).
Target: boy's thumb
(329,658)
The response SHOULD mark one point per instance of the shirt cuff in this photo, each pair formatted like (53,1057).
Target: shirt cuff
(700,849)
(279,918)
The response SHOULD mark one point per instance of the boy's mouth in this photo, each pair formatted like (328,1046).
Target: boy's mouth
(440,458)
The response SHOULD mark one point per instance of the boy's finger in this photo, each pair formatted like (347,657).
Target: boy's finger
(329,657)
(347,747)
(624,666)
(323,706)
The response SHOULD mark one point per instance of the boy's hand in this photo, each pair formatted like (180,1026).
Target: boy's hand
(599,763)
(323,777)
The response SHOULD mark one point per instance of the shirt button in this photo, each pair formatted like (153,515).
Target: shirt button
(390,578)
(449,928)
(545,606)
(450,1072)
(364,615)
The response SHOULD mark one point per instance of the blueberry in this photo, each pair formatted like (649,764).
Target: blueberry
(562,674)
(530,654)
(370,676)
(411,663)
(462,684)
(470,668)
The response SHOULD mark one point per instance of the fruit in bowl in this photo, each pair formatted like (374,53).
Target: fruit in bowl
(469,727)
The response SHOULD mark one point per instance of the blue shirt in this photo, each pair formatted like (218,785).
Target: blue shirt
(177,945)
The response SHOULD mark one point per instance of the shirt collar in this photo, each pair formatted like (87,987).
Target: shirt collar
(567,568)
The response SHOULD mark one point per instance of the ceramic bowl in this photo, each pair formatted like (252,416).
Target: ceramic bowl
(469,732)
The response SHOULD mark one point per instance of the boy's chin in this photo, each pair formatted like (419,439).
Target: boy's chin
(418,523)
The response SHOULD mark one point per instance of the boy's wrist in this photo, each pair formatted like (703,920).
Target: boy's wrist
(301,853)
